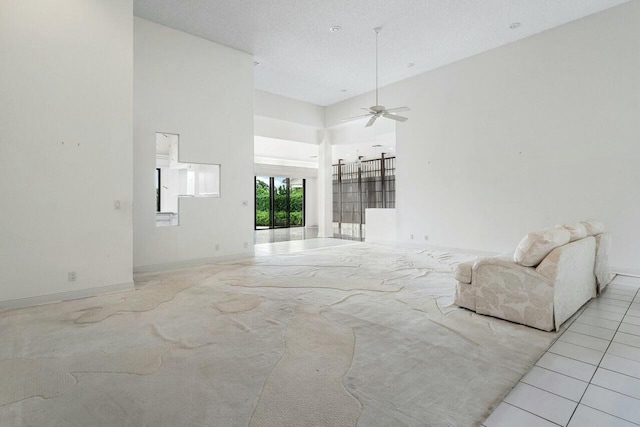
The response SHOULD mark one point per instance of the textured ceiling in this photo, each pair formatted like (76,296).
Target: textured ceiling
(300,58)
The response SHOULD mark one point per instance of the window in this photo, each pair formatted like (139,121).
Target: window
(176,179)
(280,202)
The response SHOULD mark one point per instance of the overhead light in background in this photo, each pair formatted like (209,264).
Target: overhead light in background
(335,28)
(256,63)
(410,64)
(514,25)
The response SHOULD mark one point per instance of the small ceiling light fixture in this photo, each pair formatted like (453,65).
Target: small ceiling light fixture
(410,64)
(335,28)
(256,63)
(514,25)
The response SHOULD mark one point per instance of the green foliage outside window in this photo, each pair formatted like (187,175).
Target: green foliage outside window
(296,201)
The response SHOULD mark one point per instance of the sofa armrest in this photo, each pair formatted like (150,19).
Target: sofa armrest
(513,292)
(507,263)
(463,271)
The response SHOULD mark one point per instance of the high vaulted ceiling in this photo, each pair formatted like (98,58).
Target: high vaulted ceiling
(300,58)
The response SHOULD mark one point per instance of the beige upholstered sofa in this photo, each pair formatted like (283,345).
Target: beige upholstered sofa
(550,276)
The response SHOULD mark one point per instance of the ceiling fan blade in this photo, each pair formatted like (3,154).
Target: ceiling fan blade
(350,119)
(398,109)
(394,117)
(371,121)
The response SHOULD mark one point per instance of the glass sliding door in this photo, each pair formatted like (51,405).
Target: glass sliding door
(279,202)
(296,202)
(263,202)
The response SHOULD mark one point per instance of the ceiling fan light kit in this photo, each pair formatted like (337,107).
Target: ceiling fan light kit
(378,110)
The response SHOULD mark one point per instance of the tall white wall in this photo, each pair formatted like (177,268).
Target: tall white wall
(283,118)
(65,76)
(289,110)
(532,134)
(203,92)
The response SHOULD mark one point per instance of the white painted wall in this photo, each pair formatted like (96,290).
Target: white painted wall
(281,124)
(539,132)
(203,92)
(381,225)
(65,75)
(289,110)
(311,202)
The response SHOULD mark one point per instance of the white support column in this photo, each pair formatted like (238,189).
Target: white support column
(325,186)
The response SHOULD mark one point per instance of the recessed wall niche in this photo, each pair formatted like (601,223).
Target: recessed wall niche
(175,179)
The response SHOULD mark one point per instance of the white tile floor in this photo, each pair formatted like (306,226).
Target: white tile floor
(266,249)
(591,375)
(284,234)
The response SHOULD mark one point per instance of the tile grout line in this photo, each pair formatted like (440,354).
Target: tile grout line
(580,345)
(614,416)
(592,336)
(529,412)
(598,366)
(619,373)
(606,388)
(582,323)
(556,372)
(550,392)
(572,358)
(603,318)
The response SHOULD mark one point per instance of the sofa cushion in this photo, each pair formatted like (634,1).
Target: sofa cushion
(576,230)
(462,271)
(594,227)
(536,245)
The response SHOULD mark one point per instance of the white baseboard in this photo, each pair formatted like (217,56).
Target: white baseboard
(64,296)
(156,268)
(625,271)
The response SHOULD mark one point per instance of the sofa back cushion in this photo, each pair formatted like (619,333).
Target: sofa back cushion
(576,231)
(594,227)
(534,247)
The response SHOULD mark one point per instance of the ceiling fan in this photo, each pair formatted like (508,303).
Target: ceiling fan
(379,110)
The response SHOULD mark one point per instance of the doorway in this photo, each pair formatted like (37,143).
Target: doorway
(280,202)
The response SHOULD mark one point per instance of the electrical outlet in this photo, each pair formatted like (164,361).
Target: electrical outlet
(411,237)
(246,245)
(71,276)
(217,247)
(426,237)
